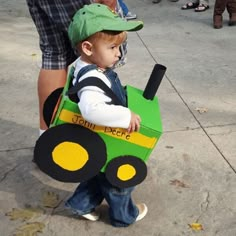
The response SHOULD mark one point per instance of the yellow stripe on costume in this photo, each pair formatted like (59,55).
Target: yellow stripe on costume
(119,133)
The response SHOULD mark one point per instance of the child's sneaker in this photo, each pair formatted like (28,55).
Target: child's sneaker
(142,211)
(130,16)
(93,216)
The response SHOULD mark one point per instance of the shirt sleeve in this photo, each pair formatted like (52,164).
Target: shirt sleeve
(94,108)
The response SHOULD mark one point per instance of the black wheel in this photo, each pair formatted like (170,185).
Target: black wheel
(126,171)
(70,153)
(50,105)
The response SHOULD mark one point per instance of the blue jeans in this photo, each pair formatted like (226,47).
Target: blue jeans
(123,7)
(91,193)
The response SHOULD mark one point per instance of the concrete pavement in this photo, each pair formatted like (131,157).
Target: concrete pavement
(192,172)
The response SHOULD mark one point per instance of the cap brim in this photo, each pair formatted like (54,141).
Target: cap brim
(124,26)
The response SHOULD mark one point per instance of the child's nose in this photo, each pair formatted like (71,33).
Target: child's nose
(118,54)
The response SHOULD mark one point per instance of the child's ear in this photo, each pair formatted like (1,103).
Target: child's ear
(87,48)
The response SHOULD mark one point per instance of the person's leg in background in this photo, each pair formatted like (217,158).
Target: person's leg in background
(231,8)
(219,8)
(127,14)
(192,4)
(51,21)
(203,6)
(123,7)
(48,81)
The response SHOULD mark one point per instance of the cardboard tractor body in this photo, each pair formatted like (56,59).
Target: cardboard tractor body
(74,150)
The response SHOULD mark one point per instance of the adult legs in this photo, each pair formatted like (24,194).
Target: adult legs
(219,8)
(231,8)
(48,81)
(51,20)
(203,6)
(123,7)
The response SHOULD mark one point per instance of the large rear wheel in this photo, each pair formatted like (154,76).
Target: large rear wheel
(70,153)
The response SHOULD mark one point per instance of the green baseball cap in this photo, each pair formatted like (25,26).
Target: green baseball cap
(94,18)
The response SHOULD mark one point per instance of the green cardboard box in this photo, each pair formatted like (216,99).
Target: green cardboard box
(74,150)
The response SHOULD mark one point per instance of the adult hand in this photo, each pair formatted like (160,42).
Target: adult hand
(109,3)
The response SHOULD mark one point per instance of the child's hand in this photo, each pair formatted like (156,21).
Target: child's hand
(134,124)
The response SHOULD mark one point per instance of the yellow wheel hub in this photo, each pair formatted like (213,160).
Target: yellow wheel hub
(70,156)
(126,172)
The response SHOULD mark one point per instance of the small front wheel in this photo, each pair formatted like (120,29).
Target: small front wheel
(126,171)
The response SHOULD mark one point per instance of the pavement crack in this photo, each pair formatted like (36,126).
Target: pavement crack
(204,205)
(222,125)
(87,228)
(223,133)
(16,149)
(180,130)
(57,206)
(7,173)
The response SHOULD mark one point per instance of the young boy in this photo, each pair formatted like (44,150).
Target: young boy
(97,33)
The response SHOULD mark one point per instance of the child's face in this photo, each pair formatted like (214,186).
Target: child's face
(105,54)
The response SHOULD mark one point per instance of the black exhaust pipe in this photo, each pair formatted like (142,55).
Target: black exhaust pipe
(154,81)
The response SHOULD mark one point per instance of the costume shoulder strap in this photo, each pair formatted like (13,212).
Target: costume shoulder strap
(84,70)
(95,81)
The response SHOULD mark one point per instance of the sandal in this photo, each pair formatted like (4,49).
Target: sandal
(201,7)
(190,5)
